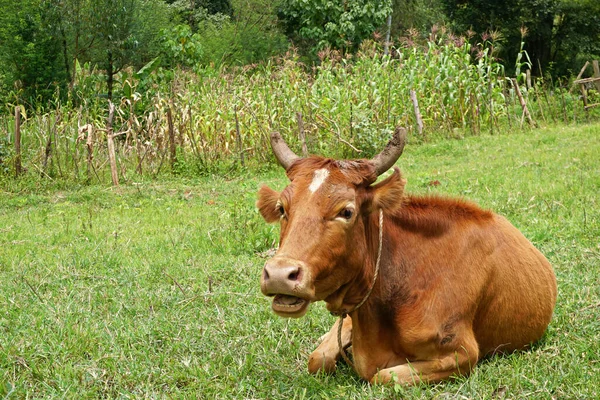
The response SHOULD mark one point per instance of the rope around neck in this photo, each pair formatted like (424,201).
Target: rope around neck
(343,314)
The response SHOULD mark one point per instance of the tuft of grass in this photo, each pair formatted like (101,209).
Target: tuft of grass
(152,289)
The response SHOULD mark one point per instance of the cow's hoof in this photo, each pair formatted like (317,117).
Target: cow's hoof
(318,362)
(381,377)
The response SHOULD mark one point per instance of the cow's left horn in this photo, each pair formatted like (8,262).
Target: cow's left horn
(284,155)
(392,151)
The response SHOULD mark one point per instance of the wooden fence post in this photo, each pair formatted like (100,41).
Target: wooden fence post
(238,135)
(172,147)
(89,144)
(491,109)
(582,70)
(111,144)
(506,104)
(18,168)
(413,97)
(596,73)
(586,81)
(302,134)
(522,101)
(48,152)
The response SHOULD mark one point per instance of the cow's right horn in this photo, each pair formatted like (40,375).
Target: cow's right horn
(392,151)
(284,155)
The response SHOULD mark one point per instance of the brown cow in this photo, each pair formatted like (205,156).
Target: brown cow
(455,282)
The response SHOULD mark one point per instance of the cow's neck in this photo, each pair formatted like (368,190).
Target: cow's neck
(363,260)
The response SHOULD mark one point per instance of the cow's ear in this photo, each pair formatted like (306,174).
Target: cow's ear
(389,193)
(267,204)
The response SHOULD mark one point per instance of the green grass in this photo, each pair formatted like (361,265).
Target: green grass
(152,289)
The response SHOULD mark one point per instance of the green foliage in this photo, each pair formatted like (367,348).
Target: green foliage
(318,24)
(128,31)
(44,41)
(350,106)
(522,64)
(421,15)
(239,43)
(89,83)
(181,47)
(576,36)
(30,50)
(196,11)
(246,37)
(559,35)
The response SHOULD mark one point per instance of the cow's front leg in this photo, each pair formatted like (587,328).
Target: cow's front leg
(327,353)
(458,362)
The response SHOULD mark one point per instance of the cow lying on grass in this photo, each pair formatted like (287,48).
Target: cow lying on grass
(430,284)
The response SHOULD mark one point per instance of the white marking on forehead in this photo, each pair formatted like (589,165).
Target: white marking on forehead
(318,179)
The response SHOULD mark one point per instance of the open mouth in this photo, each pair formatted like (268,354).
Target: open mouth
(289,306)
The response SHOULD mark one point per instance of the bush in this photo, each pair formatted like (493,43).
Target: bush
(318,24)
(234,43)
(180,46)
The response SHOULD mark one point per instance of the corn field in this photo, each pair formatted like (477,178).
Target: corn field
(207,120)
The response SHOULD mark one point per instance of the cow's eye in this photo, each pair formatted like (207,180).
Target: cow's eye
(346,213)
(280,208)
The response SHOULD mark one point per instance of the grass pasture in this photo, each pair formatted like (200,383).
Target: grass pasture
(151,290)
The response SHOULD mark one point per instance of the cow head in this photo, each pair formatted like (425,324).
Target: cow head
(326,222)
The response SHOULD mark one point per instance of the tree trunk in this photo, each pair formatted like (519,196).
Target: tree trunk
(18,168)
(111,145)
(523,103)
(65,55)
(191,17)
(238,136)
(110,74)
(172,145)
(75,55)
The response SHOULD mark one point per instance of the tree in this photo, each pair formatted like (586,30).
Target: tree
(30,43)
(340,24)
(250,34)
(115,30)
(576,36)
(507,17)
(416,14)
(74,18)
(556,30)
(42,40)
(127,33)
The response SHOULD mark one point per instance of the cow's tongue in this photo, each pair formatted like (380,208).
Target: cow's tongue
(289,306)
(285,300)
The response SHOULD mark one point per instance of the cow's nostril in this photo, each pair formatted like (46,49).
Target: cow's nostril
(293,276)
(265,274)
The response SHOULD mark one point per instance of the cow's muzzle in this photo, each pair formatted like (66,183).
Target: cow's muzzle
(287,280)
